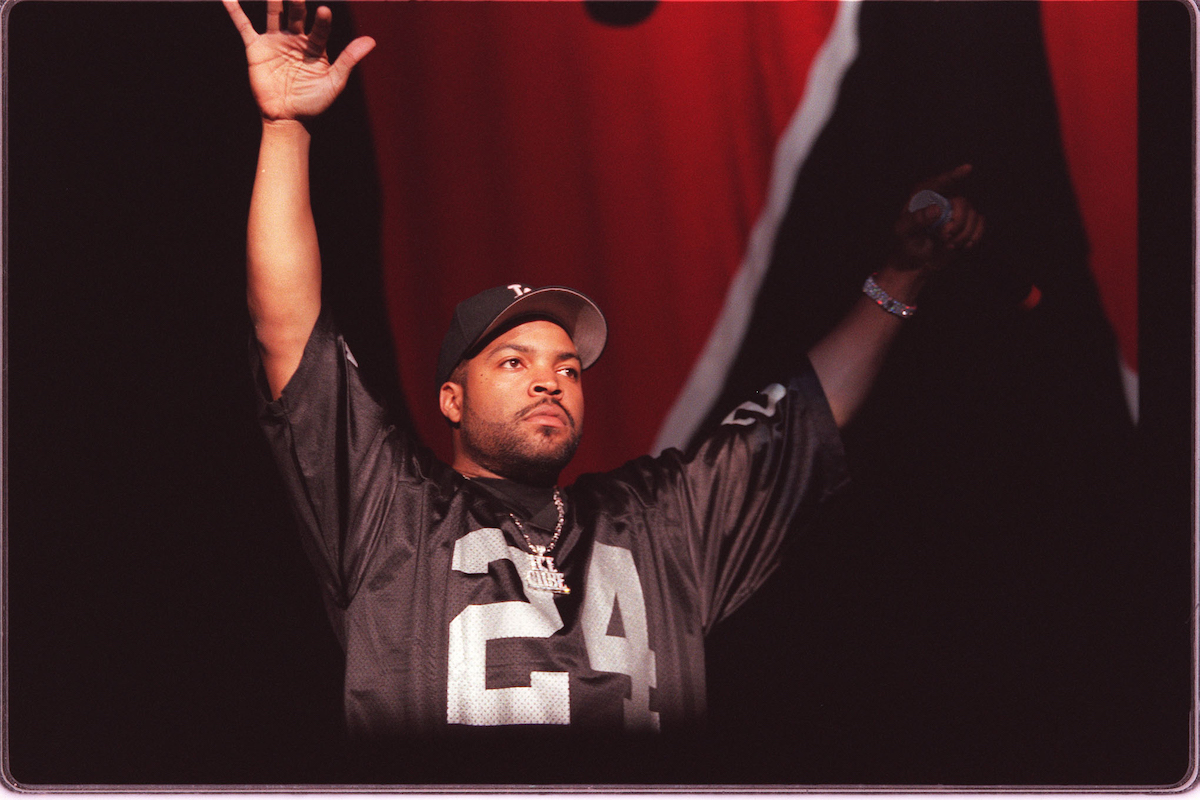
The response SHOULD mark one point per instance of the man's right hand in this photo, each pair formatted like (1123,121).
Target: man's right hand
(290,73)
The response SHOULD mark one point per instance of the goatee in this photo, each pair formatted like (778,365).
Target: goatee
(509,451)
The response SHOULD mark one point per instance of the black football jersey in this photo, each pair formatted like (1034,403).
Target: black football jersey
(428,582)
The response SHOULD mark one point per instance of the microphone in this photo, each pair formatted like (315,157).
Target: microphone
(926,198)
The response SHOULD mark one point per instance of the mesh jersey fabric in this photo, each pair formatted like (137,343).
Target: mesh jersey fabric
(423,572)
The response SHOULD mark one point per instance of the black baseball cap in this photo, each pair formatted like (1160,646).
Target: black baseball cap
(477,317)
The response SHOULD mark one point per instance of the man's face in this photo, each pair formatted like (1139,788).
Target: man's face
(519,408)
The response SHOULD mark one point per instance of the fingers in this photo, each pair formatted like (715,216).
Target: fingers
(350,56)
(319,37)
(965,227)
(973,233)
(919,221)
(959,213)
(240,21)
(274,10)
(296,15)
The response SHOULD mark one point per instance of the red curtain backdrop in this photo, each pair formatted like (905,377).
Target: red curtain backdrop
(528,142)
(1092,51)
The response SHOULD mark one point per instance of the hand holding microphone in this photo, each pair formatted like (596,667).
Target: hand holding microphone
(938,214)
(939,221)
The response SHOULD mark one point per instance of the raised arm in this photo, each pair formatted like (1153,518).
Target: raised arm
(849,358)
(292,81)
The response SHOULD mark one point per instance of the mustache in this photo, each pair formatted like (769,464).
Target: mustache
(548,401)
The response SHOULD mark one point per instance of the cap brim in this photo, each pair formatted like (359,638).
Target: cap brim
(575,312)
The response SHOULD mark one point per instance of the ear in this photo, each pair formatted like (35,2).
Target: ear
(450,401)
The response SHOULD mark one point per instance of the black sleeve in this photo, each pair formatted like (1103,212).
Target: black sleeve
(341,458)
(736,494)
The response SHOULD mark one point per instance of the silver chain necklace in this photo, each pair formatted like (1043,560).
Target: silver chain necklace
(542,574)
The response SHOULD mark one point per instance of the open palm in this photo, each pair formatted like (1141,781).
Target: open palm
(290,73)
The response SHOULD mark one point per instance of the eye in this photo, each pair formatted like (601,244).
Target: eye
(570,372)
(511,363)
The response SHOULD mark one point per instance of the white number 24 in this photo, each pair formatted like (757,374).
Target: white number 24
(612,580)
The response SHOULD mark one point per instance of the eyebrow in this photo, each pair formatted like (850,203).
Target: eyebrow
(566,355)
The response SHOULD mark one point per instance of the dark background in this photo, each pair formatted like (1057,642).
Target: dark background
(162,626)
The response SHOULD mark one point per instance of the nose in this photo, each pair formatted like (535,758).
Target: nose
(546,384)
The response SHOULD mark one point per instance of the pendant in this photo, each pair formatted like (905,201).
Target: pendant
(542,574)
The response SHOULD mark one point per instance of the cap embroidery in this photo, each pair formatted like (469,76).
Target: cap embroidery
(518,289)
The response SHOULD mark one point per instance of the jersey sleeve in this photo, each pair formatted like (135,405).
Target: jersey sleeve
(738,493)
(341,457)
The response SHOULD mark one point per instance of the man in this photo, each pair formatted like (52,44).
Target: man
(480,595)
